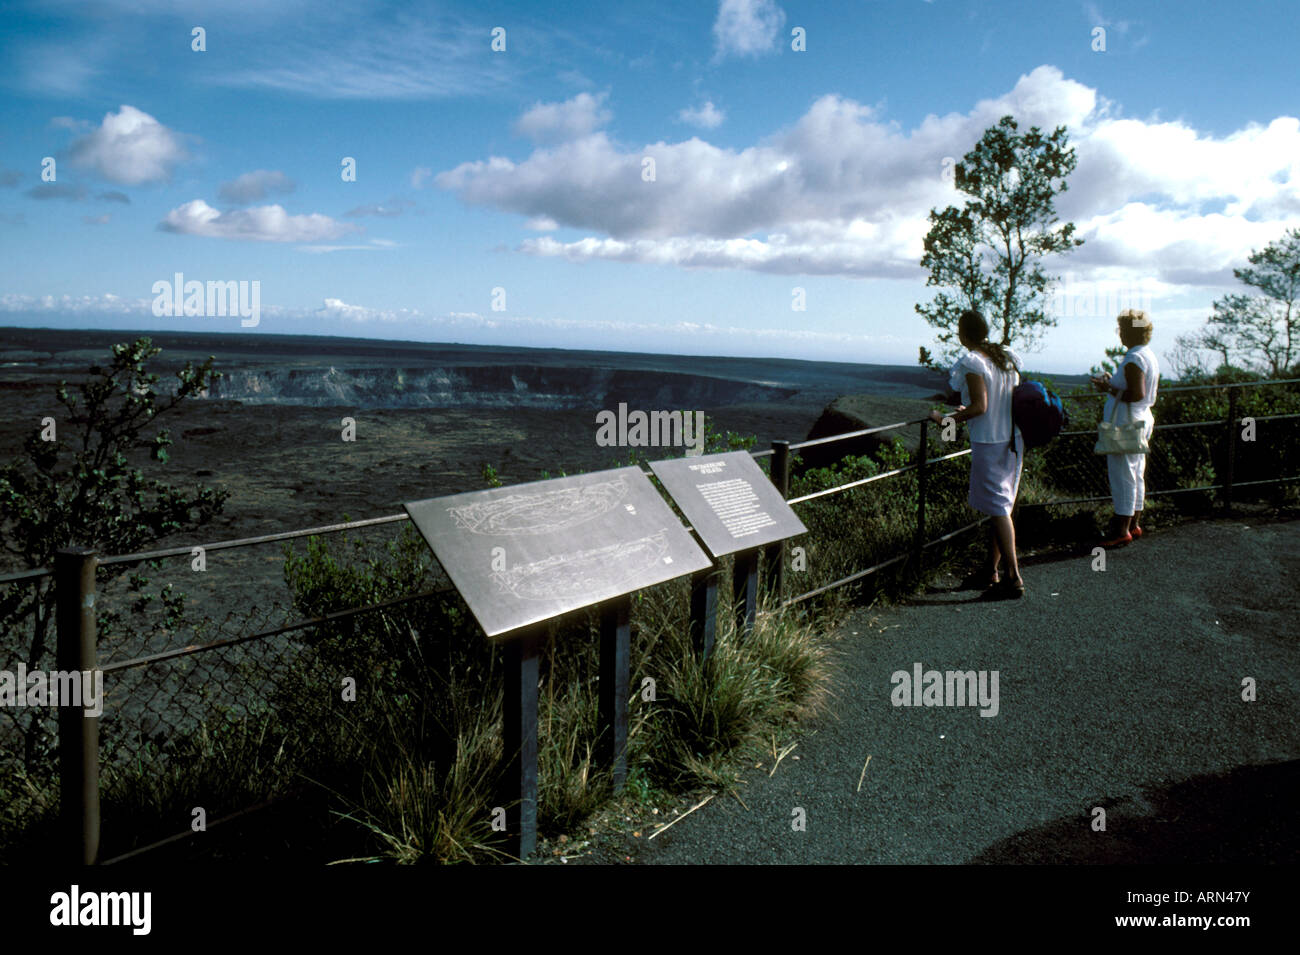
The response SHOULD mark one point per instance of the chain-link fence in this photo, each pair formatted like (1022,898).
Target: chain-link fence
(1210,443)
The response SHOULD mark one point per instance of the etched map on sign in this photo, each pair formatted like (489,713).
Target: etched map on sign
(523,554)
(572,575)
(728,500)
(540,513)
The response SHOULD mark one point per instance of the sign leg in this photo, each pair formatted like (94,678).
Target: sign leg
(745,589)
(774,572)
(520,740)
(615,672)
(704,611)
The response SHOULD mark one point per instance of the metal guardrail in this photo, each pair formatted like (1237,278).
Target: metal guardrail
(74,583)
(185,551)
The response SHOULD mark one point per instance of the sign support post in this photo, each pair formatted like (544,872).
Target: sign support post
(615,673)
(519,737)
(704,611)
(744,581)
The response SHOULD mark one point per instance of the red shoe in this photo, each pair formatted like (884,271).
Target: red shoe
(1136,532)
(1126,539)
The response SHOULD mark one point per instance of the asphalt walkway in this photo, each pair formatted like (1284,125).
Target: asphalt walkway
(1119,689)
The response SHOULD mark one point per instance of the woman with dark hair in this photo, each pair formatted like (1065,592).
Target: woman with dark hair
(986,374)
(1133,388)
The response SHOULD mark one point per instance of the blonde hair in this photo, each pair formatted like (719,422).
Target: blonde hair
(1134,327)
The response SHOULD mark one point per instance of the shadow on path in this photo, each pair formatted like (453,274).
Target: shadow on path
(1243,816)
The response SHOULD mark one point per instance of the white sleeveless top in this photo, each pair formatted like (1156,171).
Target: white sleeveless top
(1144,358)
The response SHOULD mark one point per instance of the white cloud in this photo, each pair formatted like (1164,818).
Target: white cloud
(1175,245)
(746,27)
(374,245)
(418,176)
(1097,18)
(68,122)
(806,249)
(64,68)
(258,224)
(57,190)
(561,122)
(105,304)
(384,210)
(339,309)
(256,185)
(130,147)
(375,54)
(845,191)
(706,116)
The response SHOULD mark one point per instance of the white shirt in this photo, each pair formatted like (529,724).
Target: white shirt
(1144,358)
(995,423)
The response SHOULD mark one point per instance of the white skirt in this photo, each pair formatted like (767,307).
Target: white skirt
(995,476)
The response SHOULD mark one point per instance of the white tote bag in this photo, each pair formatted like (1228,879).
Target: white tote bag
(1115,438)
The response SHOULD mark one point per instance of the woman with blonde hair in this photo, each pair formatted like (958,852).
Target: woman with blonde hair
(986,374)
(1132,391)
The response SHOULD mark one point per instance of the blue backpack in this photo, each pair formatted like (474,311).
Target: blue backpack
(1037,412)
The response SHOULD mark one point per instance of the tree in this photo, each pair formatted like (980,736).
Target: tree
(76,485)
(1259,331)
(987,252)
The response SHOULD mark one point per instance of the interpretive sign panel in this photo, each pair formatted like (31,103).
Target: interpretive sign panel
(523,554)
(728,500)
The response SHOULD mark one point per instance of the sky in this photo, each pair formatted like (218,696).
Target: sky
(741,178)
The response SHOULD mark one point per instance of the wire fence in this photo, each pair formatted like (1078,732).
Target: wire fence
(173,689)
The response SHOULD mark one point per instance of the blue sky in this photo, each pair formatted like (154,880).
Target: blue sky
(522,169)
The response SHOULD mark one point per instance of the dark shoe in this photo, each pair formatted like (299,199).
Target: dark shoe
(1005,590)
(978,580)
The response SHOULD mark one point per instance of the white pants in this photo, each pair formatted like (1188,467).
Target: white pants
(1128,479)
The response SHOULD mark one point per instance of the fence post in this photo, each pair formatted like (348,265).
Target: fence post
(74,601)
(1231,436)
(918,546)
(774,556)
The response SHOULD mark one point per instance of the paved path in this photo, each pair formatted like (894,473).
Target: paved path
(1119,689)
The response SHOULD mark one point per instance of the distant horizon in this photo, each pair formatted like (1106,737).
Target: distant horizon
(138,332)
